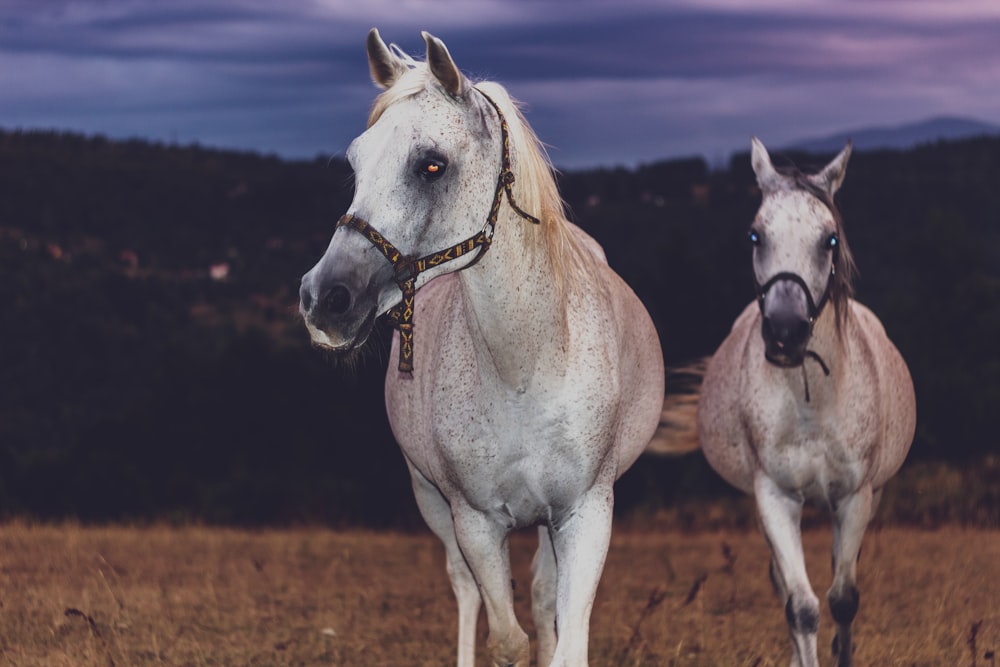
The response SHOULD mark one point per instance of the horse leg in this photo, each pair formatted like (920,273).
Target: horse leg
(437,513)
(850,519)
(581,540)
(780,515)
(543,596)
(483,540)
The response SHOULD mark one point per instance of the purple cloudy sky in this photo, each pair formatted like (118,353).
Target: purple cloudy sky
(603,82)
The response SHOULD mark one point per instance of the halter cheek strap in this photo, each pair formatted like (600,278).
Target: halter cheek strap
(407,268)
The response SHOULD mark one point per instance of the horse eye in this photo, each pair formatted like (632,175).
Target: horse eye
(754,237)
(832,242)
(432,168)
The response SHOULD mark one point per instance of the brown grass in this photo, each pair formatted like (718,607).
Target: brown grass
(197,596)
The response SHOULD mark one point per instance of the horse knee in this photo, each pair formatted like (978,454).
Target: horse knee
(802,615)
(459,573)
(844,604)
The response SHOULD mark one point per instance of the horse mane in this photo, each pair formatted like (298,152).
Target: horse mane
(842,286)
(535,188)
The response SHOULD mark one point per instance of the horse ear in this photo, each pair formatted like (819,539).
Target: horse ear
(443,67)
(768,177)
(385,66)
(833,174)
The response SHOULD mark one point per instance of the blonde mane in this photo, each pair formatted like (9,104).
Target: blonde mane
(535,188)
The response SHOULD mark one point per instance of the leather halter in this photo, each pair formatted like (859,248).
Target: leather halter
(814,308)
(814,312)
(407,268)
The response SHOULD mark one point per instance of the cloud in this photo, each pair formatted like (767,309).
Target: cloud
(604,82)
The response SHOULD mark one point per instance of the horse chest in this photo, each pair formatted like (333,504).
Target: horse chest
(812,453)
(522,455)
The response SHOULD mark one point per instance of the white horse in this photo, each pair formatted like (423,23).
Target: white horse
(807,403)
(530,376)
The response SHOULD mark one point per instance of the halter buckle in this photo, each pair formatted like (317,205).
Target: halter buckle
(405,270)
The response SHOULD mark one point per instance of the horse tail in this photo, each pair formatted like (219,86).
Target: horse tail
(677,432)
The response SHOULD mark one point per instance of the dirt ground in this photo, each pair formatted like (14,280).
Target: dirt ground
(198,596)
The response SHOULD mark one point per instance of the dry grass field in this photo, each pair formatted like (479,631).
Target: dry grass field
(198,596)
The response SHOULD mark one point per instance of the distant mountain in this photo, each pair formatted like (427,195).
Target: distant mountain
(900,136)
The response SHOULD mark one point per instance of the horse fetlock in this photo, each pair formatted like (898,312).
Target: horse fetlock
(844,604)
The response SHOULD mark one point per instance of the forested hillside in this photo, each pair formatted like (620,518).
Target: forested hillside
(152,363)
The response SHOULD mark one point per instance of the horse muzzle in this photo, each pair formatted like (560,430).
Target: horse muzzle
(787,316)
(338,314)
(785,340)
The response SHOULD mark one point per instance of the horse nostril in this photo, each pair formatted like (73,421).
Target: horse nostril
(786,332)
(305,297)
(338,300)
(770,331)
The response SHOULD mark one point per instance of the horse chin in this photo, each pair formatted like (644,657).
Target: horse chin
(785,359)
(342,345)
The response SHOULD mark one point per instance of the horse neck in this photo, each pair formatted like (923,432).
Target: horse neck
(515,311)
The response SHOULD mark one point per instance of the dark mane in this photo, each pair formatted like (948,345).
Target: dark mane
(842,286)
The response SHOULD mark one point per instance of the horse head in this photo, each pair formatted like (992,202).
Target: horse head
(426,172)
(800,256)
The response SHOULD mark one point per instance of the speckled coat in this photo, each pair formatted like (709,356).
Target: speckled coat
(774,423)
(855,430)
(537,374)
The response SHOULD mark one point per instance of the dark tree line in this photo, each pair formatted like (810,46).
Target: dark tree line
(134,384)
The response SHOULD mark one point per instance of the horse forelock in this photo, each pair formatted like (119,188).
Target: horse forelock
(842,284)
(408,85)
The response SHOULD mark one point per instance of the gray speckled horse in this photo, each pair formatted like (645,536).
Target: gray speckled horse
(530,376)
(807,399)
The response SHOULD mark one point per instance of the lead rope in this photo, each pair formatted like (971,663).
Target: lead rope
(822,364)
(407,268)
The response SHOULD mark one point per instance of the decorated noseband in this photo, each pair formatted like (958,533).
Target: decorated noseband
(407,268)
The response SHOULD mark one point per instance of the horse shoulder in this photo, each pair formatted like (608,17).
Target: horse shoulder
(893,389)
(616,369)
(883,356)
(725,364)
(639,366)
(721,431)
(407,397)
